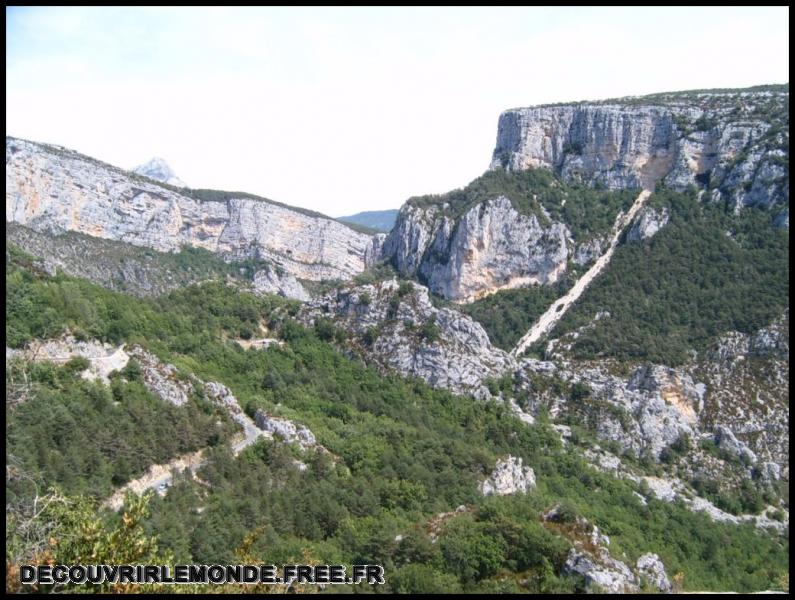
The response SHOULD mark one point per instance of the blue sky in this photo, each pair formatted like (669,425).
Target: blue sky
(348,109)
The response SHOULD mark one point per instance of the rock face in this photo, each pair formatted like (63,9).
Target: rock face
(398,328)
(607,574)
(286,429)
(508,477)
(269,281)
(651,568)
(491,247)
(158,169)
(162,379)
(51,189)
(646,224)
(644,413)
(738,142)
(746,405)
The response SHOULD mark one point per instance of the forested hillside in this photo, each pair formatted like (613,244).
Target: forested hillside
(704,273)
(399,453)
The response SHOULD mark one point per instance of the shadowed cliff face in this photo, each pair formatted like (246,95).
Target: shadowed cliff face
(53,190)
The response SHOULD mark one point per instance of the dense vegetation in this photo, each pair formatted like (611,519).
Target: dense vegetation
(90,437)
(587,211)
(400,454)
(705,273)
(507,315)
(44,307)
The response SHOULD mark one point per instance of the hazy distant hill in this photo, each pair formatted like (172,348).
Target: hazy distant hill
(382,220)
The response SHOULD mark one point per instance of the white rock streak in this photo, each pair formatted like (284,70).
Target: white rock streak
(549,319)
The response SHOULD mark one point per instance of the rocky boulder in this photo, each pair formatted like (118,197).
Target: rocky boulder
(273,281)
(508,477)
(652,570)
(647,223)
(605,573)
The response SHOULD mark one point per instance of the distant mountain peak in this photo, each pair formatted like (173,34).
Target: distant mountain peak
(157,168)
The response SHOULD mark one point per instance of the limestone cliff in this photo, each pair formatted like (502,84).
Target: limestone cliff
(486,237)
(734,144)
(491,247)
(51,189)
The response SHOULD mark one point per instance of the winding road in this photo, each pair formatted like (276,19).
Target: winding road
(162,475)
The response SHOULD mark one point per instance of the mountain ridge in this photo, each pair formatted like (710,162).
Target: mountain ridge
(53,189)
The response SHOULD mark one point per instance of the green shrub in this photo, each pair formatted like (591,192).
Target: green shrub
(404,289)
(77,364)
(430,330)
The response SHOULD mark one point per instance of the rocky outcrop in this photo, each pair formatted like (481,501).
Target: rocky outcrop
(747,396)
(726,440)
(508,477)
(162,379)
(644,413)
(285,429)
(590,558)
(736,394)
(491,247)
(736,142)
(604,572)
(270,281)
(647,223)
(651,569)
(53,190)
(396,326)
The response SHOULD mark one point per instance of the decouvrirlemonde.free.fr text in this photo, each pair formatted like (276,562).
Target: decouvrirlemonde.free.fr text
(200,574)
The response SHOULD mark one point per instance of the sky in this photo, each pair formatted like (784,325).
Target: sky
(342,110)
